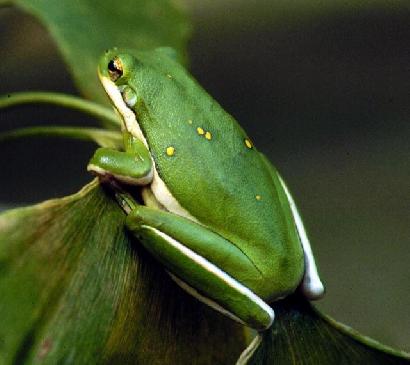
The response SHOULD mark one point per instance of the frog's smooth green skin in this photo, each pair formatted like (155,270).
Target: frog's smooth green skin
(217,214)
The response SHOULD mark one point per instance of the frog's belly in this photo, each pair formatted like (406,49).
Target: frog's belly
(162,198)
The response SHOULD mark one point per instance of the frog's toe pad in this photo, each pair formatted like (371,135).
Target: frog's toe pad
(312,288)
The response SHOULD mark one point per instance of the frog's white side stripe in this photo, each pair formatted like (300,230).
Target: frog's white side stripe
(311,285)
(250,350)
(158,187)
(210,267)
(209,302)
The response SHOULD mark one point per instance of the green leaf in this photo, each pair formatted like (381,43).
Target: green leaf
(84,29)
(301,335)
(101,137)
(75,289)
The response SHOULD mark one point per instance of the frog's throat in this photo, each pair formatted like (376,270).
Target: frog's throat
(158,187)
(128,116)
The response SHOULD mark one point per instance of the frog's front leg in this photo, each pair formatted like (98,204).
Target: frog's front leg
(133,166)
(200,261)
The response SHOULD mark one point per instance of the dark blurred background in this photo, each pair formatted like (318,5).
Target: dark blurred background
(323,91)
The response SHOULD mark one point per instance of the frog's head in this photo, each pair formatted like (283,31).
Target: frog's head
(131,80)
(115,71)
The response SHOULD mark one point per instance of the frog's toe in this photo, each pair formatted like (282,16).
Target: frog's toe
(312,287)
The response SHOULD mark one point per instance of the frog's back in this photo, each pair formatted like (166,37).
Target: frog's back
(200,151)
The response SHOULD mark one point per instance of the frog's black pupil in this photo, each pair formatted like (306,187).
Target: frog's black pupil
(111,66)
(115,69)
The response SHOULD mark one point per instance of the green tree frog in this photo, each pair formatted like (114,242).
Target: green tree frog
(216,213)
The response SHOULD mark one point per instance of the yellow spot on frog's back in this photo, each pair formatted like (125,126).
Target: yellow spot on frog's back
(169,76)
(208,136)
(248,143)
(200,131)
(170,151)
(258,197)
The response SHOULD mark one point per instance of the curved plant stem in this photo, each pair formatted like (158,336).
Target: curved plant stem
(102,137)
(64,100)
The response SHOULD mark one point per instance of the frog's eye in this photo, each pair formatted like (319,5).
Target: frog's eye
(115,69)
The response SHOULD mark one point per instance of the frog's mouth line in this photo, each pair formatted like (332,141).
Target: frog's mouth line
(127,115)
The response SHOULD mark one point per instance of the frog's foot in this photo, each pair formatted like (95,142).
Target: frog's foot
(250,350)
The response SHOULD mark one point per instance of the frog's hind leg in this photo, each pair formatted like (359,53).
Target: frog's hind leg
(202,298)
(198,255)
(311,285)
